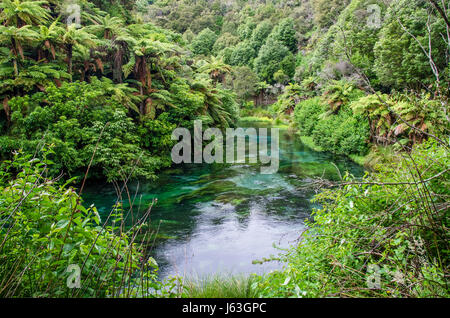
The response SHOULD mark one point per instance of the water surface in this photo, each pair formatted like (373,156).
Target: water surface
(222,218)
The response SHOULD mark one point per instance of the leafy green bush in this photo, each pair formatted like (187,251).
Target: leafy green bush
(375,238)
(44,228)
(341,133)
(306,115)
(78,118)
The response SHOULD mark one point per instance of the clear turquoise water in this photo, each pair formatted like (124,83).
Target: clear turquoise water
(220,218)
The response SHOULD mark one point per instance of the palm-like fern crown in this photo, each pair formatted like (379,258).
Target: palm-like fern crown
(36,51)
(17,12)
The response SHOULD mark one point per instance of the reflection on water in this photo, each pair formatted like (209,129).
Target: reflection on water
(220,218)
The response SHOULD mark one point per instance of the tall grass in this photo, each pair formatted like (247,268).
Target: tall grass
(220,286)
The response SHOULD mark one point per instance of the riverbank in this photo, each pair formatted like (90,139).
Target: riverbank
(376,155)
(274,123)
(360,243)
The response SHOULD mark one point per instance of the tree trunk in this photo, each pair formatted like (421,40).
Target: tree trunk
(16,70)
(69,58)
(118,63)
(142,106)
(7,110)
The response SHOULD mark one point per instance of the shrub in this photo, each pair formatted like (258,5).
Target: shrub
(342,133)
(306,115)
(78,118)
(45,228)
(203,43)
(376,238)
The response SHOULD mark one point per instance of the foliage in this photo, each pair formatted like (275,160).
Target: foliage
(400,59)
(378,114)
(220,287)
(358,34)
(284,32)
(46,231)
(339,93)
(267,61)
(289,99)
(382,111)
(107,96)
(224,41)
(79,119)
(326,12)
(370,229)
(203,43)
(98,86)
(306,115)
(244,82)
(342,132)
(260,34)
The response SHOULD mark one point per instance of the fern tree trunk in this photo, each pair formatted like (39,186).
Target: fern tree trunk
(69,58)
(118,63)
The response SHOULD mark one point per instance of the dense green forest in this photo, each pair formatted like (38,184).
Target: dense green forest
(366,79)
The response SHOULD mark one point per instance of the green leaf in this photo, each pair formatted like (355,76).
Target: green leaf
(62,224)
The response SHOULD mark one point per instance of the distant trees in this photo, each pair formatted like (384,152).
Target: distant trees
(239,33)
(203,43)
(243,54)
(268,60)
(326,12)
(226,40)
(260,34)
(410,34)
(244,82)
(332,39)
(245,30)
(286,34)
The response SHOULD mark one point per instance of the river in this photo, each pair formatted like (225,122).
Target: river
(223,219)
